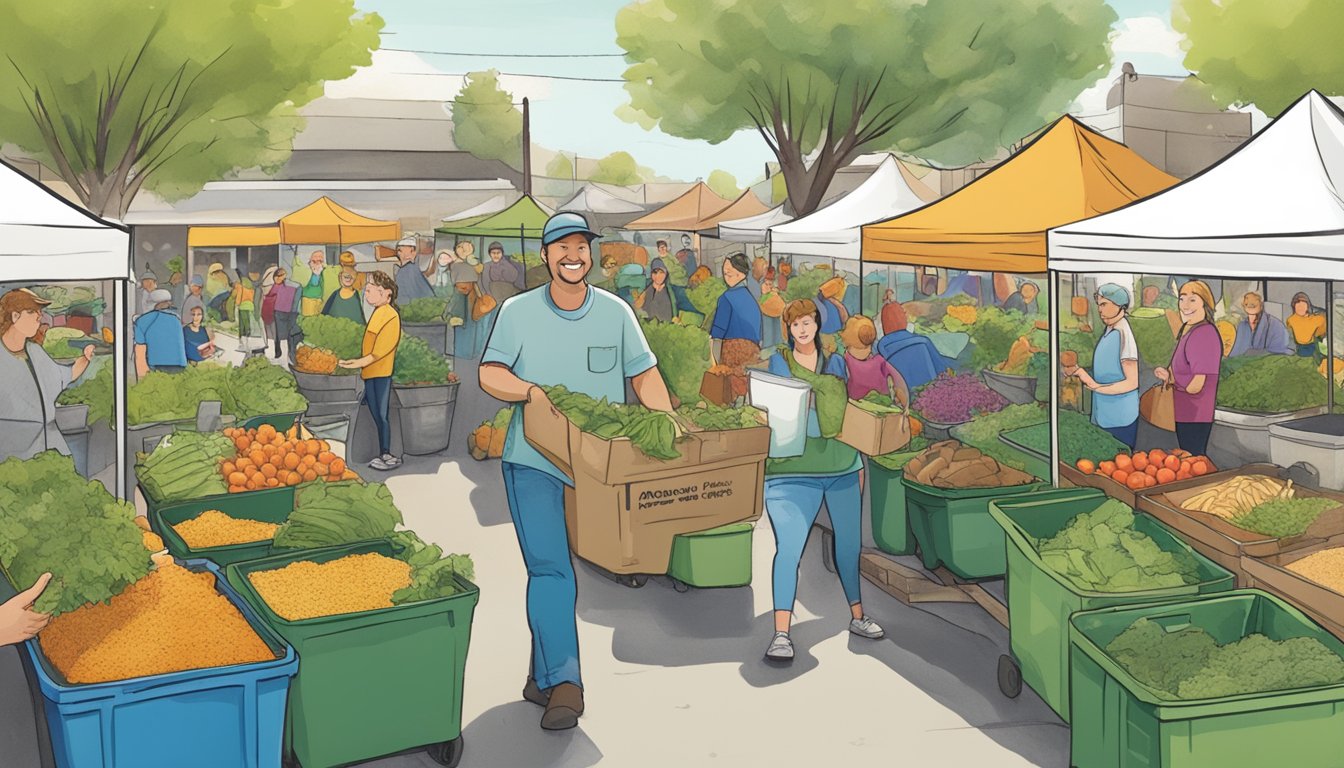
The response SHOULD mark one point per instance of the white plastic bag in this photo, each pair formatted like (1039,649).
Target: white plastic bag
(785,402)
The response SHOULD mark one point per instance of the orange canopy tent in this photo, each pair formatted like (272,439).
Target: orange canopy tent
(745,206)
(998,222)
(327,222)
(685,213)
(232,237)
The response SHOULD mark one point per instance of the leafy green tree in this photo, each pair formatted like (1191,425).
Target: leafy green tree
(485,121)
(119,97)
(1263,52)
(560,167)
(724,184)
(617,168)
(823,82)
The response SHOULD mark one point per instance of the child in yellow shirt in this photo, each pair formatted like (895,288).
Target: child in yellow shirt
(381,336)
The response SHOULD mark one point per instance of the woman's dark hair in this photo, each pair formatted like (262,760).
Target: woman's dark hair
(382,280)
(740,263)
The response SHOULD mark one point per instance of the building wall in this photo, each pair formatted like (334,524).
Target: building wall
(1174,123)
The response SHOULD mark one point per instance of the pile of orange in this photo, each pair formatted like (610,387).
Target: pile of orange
(1146,469)
(269,458)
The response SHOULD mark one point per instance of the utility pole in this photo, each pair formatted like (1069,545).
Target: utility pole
(527,151)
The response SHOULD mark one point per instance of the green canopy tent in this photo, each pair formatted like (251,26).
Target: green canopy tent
(523,220)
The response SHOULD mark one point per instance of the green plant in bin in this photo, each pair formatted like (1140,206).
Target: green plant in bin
(430,309)
(419,365)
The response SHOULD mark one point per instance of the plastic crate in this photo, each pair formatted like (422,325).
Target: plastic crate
(223,717)
(891,523)
(1120,723)
(719,557)
(272,505)
(953,527)
(370,683)
(1040,600)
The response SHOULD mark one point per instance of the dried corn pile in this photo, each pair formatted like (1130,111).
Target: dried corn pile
(1239,495)
(951,464)
(1325,568)
(213,528)
(169,621)
(306,590)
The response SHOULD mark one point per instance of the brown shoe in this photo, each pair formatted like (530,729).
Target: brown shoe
(563,708)
(533,693)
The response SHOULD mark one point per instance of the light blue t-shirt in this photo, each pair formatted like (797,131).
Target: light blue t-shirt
(592,350)
(161,333)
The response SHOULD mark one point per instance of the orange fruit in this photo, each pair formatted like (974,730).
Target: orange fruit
(1124,462)
(1120,476)
(325,457)
(237,478)
(1084,465)
(271,482)
(268,471)
(1165,475)
(338,467)
(1173,463)
(227,468)
(1135,481)
(309,476)
(1140,461)
(301,448)
(1150,470)
(257,456)
(291,461)
(309,460)
(1198,467)
(1106,468)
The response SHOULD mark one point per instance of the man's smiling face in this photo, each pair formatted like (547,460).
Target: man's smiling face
(570,259)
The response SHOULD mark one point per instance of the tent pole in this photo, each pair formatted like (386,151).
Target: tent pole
(1330,346)
(120,307)
(1053,285)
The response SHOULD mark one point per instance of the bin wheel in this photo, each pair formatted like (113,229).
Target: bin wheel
(680,585)
(828,550)
(1010,677)
(634,580)
(447,753)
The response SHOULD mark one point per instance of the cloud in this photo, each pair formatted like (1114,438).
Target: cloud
(1149,43)
(399,75)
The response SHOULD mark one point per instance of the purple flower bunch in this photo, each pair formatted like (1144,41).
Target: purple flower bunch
(956,398)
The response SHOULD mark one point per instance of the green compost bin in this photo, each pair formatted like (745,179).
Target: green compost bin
(272,505)
(718,557)
(281,421)
(891,524)
(1119,722)
(1040,600)
(371,683)
(953,527)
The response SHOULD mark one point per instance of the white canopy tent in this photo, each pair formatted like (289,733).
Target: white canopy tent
(44,238)
(1232,220)
(834,232)
(753,229)
(594,199)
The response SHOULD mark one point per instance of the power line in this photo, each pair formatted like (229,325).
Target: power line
(513,55)
(520,74)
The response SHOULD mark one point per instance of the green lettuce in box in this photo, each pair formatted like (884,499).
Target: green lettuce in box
(983,431)
(1271,384)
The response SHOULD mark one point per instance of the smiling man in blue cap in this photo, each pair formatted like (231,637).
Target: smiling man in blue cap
(588,340)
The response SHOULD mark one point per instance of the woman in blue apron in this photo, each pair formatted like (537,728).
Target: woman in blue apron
(1114,379)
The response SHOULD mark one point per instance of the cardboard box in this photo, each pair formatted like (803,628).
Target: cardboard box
(717,388)
(1324,605)
(874,434)
(628,527)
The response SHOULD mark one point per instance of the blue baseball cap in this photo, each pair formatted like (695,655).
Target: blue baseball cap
(564,224)
(1116,294)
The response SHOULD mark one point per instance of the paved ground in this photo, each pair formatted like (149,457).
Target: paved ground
(677,679)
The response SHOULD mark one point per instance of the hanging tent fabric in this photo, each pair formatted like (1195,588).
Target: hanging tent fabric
(324,221)
(525,218)
(232,237)
(834,231)
(45,237)
(747,204)
(683,214)
(998,223)
(1234,219)
(480,212)
(753,229)
(602,209)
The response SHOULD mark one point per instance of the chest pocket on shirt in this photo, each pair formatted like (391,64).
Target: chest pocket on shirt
(601,359)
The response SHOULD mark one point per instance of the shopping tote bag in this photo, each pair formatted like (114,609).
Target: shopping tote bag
(785,402)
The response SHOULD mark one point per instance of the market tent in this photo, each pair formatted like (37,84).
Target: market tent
(998,223)
(525,219)
(833,232)
(753,229)
(47,238)
(683,214)
(232,237)
(593,199)
(478,212)
(747,204)
(1272,209)
(325,221)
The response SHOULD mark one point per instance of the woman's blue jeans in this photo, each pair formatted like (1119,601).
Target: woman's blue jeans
(793,503)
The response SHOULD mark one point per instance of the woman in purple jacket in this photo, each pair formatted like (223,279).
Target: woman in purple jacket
(1194,368)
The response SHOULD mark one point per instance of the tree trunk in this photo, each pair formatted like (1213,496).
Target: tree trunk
(105,197)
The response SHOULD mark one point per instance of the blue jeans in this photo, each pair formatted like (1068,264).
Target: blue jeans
(378,395)
(793,504)
(1128,435)
(1193,436)
(537,506)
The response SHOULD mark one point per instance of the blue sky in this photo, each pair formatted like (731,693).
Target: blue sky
(578,116)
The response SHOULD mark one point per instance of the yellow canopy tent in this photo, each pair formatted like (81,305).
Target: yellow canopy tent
(745,206)
(327,222)
(998,222)
(683,214)
(232,237)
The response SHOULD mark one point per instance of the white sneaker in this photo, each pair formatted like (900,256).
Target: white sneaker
(867,628)
(379,464)
(392,462)
(781,648)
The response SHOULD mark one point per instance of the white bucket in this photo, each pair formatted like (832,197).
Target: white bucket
(785,403)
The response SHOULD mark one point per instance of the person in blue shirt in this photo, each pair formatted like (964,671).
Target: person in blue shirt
(587,340)
(736,330)
(198,341)
(1114,379)
(159,343)
(914,356)
(1260,332)
(795,487)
